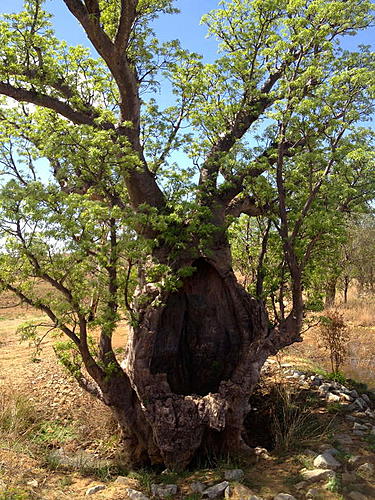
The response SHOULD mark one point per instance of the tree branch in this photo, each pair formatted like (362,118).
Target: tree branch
(46,101)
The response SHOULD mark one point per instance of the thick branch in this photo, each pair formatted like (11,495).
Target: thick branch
(244,205)
(46,101)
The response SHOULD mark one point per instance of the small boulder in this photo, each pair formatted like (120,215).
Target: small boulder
(33,483)
(326,461)
(356,495)
(317,474)
(163,490)
(333,398)
(121,480)
(135,495)
(366,470)
(95,489)
(240,492)
(366,398)
(313,493)
(284,496)
(359,427)
(234,474)
(216,490)
(197,487)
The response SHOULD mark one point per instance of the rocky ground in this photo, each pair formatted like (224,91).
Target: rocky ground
(322,443)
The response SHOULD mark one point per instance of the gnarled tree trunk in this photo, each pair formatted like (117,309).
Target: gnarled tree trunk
(193,360)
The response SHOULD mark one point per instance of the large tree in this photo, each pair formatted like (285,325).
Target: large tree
(277,103)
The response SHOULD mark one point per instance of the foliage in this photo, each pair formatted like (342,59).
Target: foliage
(334,337)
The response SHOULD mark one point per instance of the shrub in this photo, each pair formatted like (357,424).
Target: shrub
(334,337)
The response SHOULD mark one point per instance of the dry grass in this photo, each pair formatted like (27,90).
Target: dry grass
(359,311)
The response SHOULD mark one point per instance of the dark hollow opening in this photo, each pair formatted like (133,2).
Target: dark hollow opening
(198,338)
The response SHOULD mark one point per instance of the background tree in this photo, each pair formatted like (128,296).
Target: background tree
(198,340)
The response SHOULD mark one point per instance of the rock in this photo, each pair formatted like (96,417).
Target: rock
(372,431)
(301,485)
(333,398)
(366,470)
(197,487)
(313,493)
(349,478)
(360,403)
(324,388)
(354,394)
(284,496)
(326,461)
(345,396)
(343,439)
(135,495)
(356,495)
(95,489)
(366,398)
(315,381)
(310,453)
(351,418)
(121,480)
(216,490)
(359,433)
(359,427)
(163,490)
(317,474)
(33,483)
(240,492)
(355,460)
(234,474)
(332,451)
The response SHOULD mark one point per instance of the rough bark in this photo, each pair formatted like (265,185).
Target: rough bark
(193,360)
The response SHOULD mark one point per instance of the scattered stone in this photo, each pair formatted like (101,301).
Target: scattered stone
(366,398)
(33,483)
(135,495)
(95,489)
(349,478)
(344,439)
(315,381)
(326,461)
(197,487)
(332,451)
(366,470)
(354,394)
(345,396)
(333,398)
(301,485)
(310,453)
(324,388)
(121,480)
(356,495)
(359,427)
(317,474)
(359,433)
(313,493)
(216,490)
(351,418)
(361,403)
(240,492)
(234,474)
(355,460)
(284,496)
(163,490)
